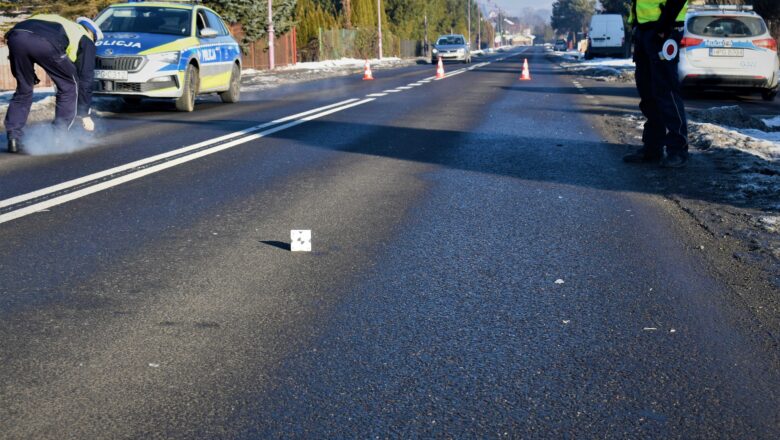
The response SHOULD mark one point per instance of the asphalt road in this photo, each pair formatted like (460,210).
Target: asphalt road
(483,265)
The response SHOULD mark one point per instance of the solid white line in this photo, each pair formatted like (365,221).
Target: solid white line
(119,169)
(376,95)
(154,169)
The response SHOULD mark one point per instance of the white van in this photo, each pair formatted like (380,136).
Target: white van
(607,37)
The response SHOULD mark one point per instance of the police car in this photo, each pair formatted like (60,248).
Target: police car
(166,50)
(728,47)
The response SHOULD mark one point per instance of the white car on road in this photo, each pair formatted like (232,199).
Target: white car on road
(728,47)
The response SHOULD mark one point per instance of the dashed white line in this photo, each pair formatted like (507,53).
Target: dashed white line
(376,95)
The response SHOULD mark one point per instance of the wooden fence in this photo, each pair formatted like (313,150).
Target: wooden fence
(7,81)
(256,54)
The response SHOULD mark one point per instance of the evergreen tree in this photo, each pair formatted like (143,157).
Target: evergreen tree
(572,15)
(622,7)
(253,16)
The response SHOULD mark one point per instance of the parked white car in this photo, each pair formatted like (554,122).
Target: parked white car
(607,37)
(728,47)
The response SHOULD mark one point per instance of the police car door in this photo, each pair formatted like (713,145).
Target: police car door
(215,70)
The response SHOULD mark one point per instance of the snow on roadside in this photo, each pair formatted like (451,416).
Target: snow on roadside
(42,107)
(603,69)
(743,144)
(750,156)
(772,122)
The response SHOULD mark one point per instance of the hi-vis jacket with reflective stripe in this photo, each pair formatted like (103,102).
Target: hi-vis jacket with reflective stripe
(650,11)
(73,31)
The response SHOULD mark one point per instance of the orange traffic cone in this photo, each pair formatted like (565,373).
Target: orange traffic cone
(526,76)
(440,70)
(367,75)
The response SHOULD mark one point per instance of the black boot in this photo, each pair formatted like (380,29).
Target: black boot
(675,161)
(644,155)
(14,145)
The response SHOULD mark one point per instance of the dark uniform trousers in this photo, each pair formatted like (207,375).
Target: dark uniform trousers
(27,48)
(658,84)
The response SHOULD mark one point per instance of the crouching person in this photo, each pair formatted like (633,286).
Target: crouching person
(66,52)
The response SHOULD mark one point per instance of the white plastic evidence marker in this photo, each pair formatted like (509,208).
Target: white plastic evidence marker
(300,240)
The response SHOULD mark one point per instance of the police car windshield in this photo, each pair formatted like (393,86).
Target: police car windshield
(726,27)
(146,19)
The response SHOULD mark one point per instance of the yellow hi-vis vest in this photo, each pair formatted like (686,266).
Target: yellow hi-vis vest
(648,11)
(73,30)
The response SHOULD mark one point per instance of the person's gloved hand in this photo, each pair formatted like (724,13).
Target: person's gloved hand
(88,123)
(664,32)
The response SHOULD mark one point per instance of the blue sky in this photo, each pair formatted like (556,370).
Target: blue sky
(515,6)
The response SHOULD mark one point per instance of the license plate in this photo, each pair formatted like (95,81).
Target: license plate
(719,52)
(117,75)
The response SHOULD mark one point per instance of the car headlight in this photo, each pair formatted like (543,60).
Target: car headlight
(435,50)
(461,50)
(164,57)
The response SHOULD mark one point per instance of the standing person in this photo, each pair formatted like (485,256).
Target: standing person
(657,80)
(66,52)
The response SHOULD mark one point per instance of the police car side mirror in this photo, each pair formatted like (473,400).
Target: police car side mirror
(208,33)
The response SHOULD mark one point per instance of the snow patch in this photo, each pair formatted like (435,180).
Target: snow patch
(602,69)
(772,122)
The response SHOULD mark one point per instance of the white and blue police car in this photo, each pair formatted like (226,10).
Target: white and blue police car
(728,47)
(166,49)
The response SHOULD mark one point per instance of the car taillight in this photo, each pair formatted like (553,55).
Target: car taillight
(690,42)
(766,43)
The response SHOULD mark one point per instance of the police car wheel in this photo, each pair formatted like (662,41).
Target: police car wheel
(233,94)
(186,103)
(769,95)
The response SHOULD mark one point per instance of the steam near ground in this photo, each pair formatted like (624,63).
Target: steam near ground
(44,139)
(40,136)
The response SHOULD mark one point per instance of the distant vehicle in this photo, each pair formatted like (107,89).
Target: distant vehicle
(169,49)
(607,37)
(451,48)
(728,47)
(561,46)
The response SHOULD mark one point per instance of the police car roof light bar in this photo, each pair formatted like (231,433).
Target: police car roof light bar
(730,8)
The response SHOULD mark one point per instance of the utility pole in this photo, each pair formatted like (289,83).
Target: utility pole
(379,21)
(347,7)
(479,28)
(271,54)
(469,23)
(425,49)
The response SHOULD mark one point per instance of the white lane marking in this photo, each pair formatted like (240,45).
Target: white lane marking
(141,162)
(391,91)
(457,72)
(590,96)
(418,84)
(165,165)
(403,88)
(376,95)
